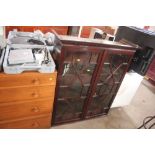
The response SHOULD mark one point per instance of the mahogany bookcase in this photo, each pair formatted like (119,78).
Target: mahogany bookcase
(90,73)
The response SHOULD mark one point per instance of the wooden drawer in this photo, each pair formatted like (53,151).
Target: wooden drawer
(27,79)
(23,109)
(28,123)
(26,93)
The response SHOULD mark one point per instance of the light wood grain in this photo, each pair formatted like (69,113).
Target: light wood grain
(26,93)
(27,79)
(26,100)
(14,110)
(28,123)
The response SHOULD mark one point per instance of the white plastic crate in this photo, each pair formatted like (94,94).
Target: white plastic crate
(16,69)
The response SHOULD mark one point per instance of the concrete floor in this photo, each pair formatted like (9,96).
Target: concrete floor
(127,117)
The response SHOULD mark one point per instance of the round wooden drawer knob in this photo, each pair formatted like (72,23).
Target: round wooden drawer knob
(35,81)
(35,109)
(35,124)
(35,95)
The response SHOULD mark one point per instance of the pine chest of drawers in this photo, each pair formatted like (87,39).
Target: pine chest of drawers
(26,100)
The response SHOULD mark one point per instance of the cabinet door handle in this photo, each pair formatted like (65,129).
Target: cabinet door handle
(35,109)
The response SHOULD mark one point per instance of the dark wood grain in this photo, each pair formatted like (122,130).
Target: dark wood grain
(75,53)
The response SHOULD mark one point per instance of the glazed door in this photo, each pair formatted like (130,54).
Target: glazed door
(110,75)
(77,71)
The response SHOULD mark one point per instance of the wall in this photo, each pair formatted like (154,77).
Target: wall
(62,30)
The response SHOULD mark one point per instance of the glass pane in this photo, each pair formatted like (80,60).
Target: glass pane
(100,104)
(78,68)
(109,81)
(107,87)
(69,109)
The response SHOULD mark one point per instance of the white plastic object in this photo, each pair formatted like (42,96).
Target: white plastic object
(16,69)
(128,89)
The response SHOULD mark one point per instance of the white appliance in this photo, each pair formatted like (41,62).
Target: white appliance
(20,56)
(101,33)
(128,89)
(93,31)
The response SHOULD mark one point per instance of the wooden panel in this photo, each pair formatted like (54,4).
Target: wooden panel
(62,30)
(59,29)
(25,93)
(86,30)
(26,100)
(14,110)
(27,79)
(39,122)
